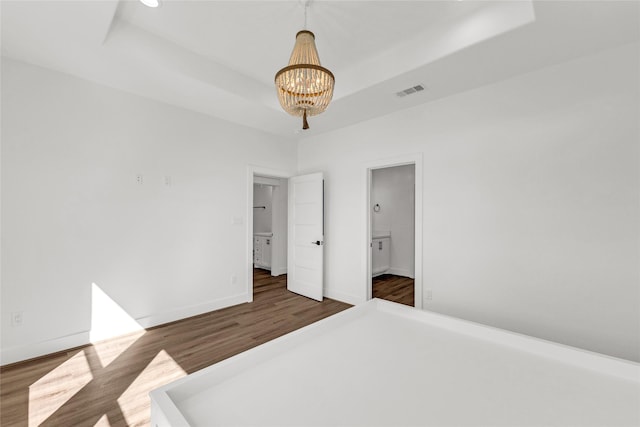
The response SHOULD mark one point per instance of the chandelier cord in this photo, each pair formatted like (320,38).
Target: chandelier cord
(305,124)
(306,6)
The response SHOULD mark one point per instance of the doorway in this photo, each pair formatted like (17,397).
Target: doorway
(394,235)
(267,192)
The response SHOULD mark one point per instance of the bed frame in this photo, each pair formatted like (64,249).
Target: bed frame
(382,363)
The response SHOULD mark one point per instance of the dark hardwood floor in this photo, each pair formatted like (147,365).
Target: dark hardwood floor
(394,288)
(107,384)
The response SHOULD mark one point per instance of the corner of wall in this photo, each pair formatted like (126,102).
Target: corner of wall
(343,297)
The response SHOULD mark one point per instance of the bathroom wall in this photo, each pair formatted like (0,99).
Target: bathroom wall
(393,189)
(262,196)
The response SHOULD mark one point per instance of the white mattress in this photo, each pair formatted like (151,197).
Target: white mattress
(386,364)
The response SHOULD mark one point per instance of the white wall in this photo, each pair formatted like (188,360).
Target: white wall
(530,187)
(530,197)
(262,196)
(72,213)
(393,189)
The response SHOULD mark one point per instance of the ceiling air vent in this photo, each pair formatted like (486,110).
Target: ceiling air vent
(410,90)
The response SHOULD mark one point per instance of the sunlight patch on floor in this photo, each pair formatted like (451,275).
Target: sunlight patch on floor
(109,320)
(134,402)
(57,387)
(103,422)
(109,350)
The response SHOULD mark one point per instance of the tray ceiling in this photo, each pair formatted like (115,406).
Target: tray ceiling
(219,57)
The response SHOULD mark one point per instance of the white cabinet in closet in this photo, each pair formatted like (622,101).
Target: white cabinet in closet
(262,250)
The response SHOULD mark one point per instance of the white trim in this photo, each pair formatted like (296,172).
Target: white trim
(279,271)
(266,181)
(340,296)
(25,352)
(252,171)
(190,311)
(20,353)
(407,159)
(400,272)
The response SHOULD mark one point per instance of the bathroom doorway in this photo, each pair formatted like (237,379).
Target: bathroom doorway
(394,212)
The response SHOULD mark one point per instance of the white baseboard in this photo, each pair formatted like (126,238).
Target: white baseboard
(339,296)
(400,272)
(193,310)
(278,271)
(25,352)
(20,353)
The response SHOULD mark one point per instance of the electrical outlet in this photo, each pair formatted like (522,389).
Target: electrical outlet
(139,179)
(429,294)
(16,318)
(167,181)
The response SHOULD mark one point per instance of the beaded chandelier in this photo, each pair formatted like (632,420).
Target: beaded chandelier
(304,87)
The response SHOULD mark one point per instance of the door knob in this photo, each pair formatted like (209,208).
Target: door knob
(317,242)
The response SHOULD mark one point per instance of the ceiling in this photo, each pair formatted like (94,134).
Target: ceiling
(220,57)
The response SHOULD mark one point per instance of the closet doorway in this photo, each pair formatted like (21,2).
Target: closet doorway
(393,211)
(267,230)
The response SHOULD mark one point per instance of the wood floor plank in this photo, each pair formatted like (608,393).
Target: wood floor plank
(107,384)
(394,288)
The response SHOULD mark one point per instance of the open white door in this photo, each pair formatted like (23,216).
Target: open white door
(306,235)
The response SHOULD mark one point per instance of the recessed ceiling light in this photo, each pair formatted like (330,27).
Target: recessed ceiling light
(150,3)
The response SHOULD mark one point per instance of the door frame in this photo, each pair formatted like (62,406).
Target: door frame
(252,171)
(407,159)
